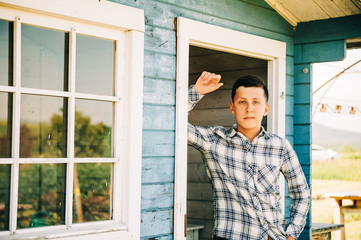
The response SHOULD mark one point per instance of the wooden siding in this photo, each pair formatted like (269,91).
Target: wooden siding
(317,41)
(254,17)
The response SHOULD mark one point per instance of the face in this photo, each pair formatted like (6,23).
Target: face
(249,107)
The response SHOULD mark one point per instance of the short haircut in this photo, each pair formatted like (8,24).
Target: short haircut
(249,81)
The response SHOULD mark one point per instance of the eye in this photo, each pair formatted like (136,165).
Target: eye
(242,102)
(255,102)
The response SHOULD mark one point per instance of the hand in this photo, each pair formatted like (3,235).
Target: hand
(291,238)
(208,82)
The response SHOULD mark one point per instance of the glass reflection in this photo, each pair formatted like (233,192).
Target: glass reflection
(42,127)
(4,196)
(6,53)
(5,124)
(44,55)
(92,192)
(93,128)
(94,65)
(41,195)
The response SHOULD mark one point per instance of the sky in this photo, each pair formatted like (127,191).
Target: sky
(344,90)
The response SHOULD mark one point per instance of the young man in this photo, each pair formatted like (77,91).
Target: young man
(245,163)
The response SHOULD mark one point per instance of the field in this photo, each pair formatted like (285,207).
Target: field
(335,176)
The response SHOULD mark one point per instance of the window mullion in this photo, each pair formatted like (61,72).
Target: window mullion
(16,127)
(71,126)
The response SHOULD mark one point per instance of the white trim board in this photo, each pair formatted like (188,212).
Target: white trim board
(190,32)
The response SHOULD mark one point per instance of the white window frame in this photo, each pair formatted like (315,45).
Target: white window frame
(125,25)
(190,32)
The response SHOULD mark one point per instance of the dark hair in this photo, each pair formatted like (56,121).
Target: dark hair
(249,81)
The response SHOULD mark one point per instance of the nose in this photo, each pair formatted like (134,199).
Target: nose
(249,107)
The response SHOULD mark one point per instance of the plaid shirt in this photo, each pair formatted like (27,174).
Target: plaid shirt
(245,176)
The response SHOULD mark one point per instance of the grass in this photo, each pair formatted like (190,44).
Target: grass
(336,176)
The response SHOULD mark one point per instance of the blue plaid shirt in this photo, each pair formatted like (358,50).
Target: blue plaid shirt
(245,177)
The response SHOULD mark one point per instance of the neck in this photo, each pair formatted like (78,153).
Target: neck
(251,134)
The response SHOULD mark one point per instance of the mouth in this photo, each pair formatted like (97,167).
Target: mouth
(248,118)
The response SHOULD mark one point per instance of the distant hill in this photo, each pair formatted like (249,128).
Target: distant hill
(333,138)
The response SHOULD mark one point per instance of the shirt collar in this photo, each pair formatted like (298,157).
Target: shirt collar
(233,132)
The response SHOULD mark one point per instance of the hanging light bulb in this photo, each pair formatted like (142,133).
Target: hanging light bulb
(338,108)
(353,111)
(323,108)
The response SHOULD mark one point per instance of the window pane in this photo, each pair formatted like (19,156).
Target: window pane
(4,196)
(92,192)
(41,195)
(43,125)
(5,124)
(94,65)
(6,53)
(93,128)
(44,55)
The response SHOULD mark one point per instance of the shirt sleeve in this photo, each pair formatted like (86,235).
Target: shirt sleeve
(198,137)
(298,191)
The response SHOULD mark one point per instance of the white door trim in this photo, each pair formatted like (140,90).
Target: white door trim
(190,32)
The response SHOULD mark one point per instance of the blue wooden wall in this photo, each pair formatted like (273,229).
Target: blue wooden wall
(315,41)
(249,16)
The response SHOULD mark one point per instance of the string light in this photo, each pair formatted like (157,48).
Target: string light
(338,109)
(353,111)
(323,108)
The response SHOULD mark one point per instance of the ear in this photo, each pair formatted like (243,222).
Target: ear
(266,110)
(231,107)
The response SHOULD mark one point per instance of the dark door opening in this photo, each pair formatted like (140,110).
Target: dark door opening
(213,109)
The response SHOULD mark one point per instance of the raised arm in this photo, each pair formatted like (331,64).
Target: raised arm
(200,137)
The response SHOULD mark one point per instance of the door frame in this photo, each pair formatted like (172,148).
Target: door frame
(195,33)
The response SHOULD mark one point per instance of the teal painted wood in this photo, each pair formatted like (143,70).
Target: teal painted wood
(328,30)
(165,237)
(302,73)
(158,143)
(304,94)
(320,52)
(157,196)
(156,223)
(238,11)
(158,65)
(157,169)
(157,91)
(254,17)
(289,84)
(305,117)
(158,117)
(160,40)
(302,136)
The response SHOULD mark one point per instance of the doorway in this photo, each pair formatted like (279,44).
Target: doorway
(213,109)
(215,41)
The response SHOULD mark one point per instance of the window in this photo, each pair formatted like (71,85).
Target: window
(67,132)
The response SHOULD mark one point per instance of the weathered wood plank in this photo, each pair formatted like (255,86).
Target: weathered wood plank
(305,117)
(304,94)
(160,40)
(158,65)
(165,237)
(208,117)
(200,209)
(158,117)
(158,143)
(201,191)
(328,29)
(238,11)
(302,134)
(157,91)
(157,169)
(197,173)
(157,196)
(156,223)
(320,52)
